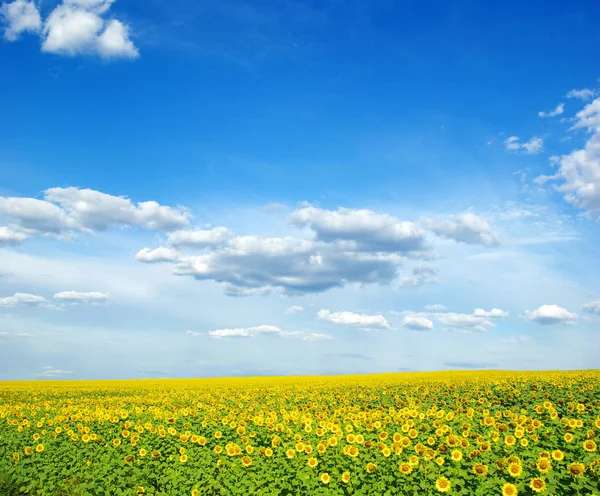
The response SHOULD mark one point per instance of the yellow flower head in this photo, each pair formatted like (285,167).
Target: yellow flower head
(443,485)
(576,469)
(538,485)
(325,478)
(509,490)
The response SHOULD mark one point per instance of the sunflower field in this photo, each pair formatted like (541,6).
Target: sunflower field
(457,433)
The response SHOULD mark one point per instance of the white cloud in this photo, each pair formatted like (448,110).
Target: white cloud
(52,372)
(580,170)
(466,228)
(355,319)
(249,332)
(77,27)
(467,322)
(194,333)
(550,314)
(10,237)
(435,308)
(417,323)
(20,16)
(560,108)
(294,309)
(114,41)
(22,299)
(363,229)
(250,264)
(200,238)
(157,255)
(422,274)
(98,211)
(80,297)
(533,146)
(592,307)
(583,94)
(493,313)
(39,215)
(71,210)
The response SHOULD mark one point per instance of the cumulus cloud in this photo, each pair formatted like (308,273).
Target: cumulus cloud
(354,319)
(493,313)
(22,299)
(74,27)
(72,210)
(363,230)
(78,27)
(533,146)
(75,297)
(10,237)
(254,264)
(200,238)
(249,332)
(157,255)
(98,211)
(592,307)
(560,108)
(294,309)
(579,170)
(422,274)
(417,323)
(550,314)
(466,228)
(583,94)
(19,17)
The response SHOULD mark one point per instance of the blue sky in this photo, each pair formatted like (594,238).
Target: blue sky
(238,188)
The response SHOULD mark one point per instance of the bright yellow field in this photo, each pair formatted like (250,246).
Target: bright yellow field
(468,433)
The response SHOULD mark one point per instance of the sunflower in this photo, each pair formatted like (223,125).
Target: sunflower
(143,452)
(116,442)
(195,492)
(515,470)
(576,469)
(246,461)
(325,478)
(183,458)
(456,455)
(268,452)
(312,462)
(290,453)
(509,490)
(346,477)
(589,446)
(442,485)
(510,440)
(371,468)
(558,455)
(155,454)
(405,468)
(480,469)
(569,437)
(39,448)
(544,465)
(538,485)
(128,459)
